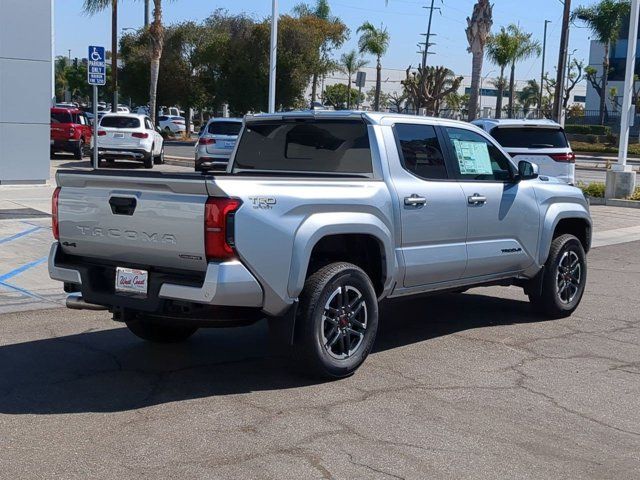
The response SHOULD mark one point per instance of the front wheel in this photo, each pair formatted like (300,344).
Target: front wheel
(563,279)
(158,332)
(338,320)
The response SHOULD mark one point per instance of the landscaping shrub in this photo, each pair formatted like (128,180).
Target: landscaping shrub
(636,195)
(588,129)
(595,189)
(592,138)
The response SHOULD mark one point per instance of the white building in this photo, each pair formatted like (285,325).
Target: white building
(26,91)
(392,78)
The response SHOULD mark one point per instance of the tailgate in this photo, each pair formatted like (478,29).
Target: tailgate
(147,219)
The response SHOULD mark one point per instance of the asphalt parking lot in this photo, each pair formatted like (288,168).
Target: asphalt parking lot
(458,386)
(463,386)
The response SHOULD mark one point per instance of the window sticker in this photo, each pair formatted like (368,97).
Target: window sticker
(473,157)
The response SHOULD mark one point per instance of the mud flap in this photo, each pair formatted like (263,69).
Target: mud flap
(282,328)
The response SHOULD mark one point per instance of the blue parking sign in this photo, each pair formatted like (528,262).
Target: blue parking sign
(97,66)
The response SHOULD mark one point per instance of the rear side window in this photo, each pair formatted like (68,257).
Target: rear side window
(224,128)
(530,137)
(420,151)
(120,122)
(321,146)
(61,117)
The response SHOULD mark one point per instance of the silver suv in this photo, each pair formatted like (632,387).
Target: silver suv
(216,143)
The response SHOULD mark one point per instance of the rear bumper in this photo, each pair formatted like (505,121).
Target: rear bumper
(225,284)
(69,145)
(130,153)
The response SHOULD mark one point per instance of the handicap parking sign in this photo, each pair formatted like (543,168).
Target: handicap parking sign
(97,66)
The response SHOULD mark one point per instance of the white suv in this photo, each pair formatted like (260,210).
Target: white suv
(216,143)
(130,137)
(542,142)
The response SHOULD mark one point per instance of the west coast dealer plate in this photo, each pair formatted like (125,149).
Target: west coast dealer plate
(129,280)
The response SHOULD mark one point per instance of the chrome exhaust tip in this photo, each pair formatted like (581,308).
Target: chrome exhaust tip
(76,302)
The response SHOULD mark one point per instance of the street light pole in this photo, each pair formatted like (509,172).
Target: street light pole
(273,57)
(544,53)
(621,179)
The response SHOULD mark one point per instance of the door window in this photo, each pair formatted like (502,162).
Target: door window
(476,158)
(420,151)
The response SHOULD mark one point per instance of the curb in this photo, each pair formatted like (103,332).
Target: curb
(613,202)
(179,161)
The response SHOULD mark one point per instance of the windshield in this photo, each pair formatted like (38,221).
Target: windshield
(61,117)
(320,146)
(224,128)
(120,122)
(530,137)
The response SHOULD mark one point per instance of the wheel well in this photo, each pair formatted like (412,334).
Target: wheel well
(577,227)
(362,250)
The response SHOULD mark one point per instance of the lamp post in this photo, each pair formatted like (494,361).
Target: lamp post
(544,53)
(481,86)
(621,179)
(273,56)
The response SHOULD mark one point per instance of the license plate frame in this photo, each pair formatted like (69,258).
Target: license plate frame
(132,281)
(118,135)
(229,144)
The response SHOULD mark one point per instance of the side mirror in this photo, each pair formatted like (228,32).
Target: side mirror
(527,170)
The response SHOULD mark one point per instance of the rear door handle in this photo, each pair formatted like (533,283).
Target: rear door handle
(414,200)
(477,199)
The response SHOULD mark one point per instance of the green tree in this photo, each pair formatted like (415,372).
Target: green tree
(428,87)
(525,47)
(374,41)
(330,33)
(385,99)
(501,49)
(349,64)
(478,30)
(337,95)
(530,95)
(605,20)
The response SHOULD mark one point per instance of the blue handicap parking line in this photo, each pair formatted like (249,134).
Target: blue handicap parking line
(21,269)
(19,235)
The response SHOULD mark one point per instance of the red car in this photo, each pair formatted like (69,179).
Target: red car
(70,131)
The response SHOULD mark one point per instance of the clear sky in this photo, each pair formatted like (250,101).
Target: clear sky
(405,20)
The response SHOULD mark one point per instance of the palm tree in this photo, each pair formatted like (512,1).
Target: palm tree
(478,29)
(350,63)
(604,19)
(374,41)
(500,50)
(156,32)
(530,95)
(334,37)
(525,47)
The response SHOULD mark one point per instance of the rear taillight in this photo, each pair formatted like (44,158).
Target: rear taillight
(54,213)
(101,133)
(207,141)
(140,135)
(218,227)
(564,157)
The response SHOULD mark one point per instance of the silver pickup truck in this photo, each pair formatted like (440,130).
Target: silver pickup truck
(319,216)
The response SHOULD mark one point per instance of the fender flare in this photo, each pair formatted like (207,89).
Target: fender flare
(321,225)
(555,213)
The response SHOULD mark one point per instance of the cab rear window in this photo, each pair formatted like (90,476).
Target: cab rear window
(224,128)
(317,146)
(61,117)
(530,137)
(120,122)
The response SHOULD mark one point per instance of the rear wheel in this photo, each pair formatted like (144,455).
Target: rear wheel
(563,279)
(338,320)
(78,150)
(148,160)
(159,160)
(158,332)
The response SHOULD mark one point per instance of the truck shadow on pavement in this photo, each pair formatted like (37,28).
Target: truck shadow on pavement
(112,371)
